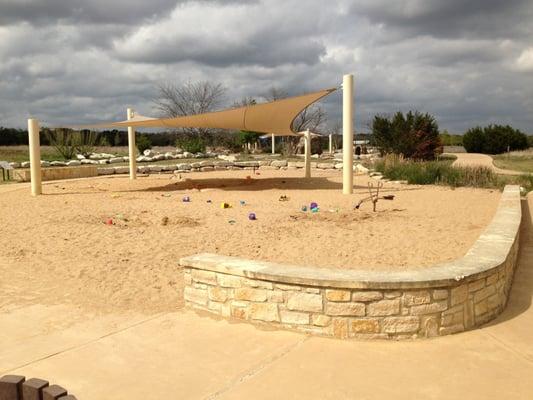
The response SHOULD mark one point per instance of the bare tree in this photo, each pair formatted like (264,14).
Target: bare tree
(189,99)
(275,93)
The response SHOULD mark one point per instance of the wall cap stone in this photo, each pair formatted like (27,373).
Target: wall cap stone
(488,252)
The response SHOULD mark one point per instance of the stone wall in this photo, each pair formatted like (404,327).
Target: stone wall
(56,173)
(438,300)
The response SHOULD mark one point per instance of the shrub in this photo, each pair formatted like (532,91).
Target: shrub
(494,139)
(143,143)
(192,144)
(68,143)
(413,135)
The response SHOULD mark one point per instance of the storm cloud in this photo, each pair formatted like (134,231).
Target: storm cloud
(74,61)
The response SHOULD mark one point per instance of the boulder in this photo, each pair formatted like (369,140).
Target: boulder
(106,171)
(279,163)
(14,164)
(47,164)
(58,164)
(25,164)
(196,165)
(169,167)
(263,163)
(199,155)
(206,164)
(230,158)
(360,169)
(155,168)
(116,160)
(158,157)
(245,164)
(296,164)
(149,153)
(88,162)
(207,169)
(73,163)
(169,156)
(122,170)
(325,166)
(80,156)
(102,162)
(186,154)
(183,166)
(338,165)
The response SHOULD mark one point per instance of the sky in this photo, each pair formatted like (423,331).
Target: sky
(78,61)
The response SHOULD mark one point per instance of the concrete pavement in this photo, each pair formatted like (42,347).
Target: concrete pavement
(190,356)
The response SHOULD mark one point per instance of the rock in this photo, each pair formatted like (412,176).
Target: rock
(116,160)
(103,162)
(362,170)
(144,159)
(158,157)
(183,166)
(73,163)
(180,156)
(80,157)
(264,163)
(338,166)
(222,163)
(122,170)
(149,153)
(230,158)
(186,154)
(206,164)
(195,165)
(296,164)
(14,164)
(325,166)
(155,168)
(169,167)
(315,156)
(88,162)
(143,169)
(169,156)
(279,163)
(58,164)
(126,158)
(207,169)
(95,156)
(178,150)
(247,164)
(47,164)
(25,164)
(106,171)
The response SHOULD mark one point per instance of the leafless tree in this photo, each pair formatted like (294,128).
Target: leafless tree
(189,99)
(275,93)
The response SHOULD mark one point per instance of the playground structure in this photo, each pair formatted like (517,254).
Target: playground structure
(274,117)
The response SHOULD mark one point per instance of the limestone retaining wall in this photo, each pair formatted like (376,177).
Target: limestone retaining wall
(57,173)
(438,300)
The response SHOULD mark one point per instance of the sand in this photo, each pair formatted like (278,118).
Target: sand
(57,247)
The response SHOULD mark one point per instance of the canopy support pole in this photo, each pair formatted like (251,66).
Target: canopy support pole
(330,143)
(273,144)
(307,137)
(35,157)
(347,134)
(131,147)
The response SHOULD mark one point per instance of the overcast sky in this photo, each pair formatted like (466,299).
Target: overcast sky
(466,62)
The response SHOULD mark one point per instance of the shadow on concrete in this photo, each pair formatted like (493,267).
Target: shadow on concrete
(522,289)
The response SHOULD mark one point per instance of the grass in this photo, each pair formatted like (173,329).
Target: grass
(443,173)
(516,160)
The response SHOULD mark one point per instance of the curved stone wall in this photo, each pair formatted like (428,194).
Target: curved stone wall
(438,300)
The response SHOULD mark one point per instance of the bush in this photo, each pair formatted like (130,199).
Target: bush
(494,139)
(192,144)
(414,135)
(436,172)
(143,143)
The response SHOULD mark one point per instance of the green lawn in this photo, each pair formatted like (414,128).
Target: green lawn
(522,162)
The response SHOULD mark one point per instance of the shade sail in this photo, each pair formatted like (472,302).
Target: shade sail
(275,116)
(301,133)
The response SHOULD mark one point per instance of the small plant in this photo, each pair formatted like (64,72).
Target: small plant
(64,141)
(143,143)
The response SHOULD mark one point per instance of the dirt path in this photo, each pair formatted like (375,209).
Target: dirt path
(475,159)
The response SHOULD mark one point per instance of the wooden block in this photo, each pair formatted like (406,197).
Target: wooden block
(53,392)
(11,387)
(32,389)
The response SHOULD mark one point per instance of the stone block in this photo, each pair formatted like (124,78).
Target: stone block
(340,328)
(312,290)
(400,324)
(459,295)
(484,293)
(492,279)
(321,320)
(432,308)
(260,284)
(217,294)
(202,276)
(476,285)
(338,295)
(288,287)
(415,298)
(364,325)
(11,387)
(292,317)
(440,294)
(481,308)
(275,296)
(197,296)
(32,389)
(305,302)
(230,281)
(392,294)
(264,311)
(346,309)
(448,330)
(239,312)
(367,295)
(250,294)
(384,308)
(430,326)
(53,392)
(494,301)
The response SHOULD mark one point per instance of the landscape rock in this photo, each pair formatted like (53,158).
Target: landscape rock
(73,163)
(122,170)
(106,171)
(116,160)
(25,164)
(58,164)
(103,161)
(362,170)
(14,164)
(183,166)
(46,163)
(86,161)
(279,163)
(247,164)
(80,156)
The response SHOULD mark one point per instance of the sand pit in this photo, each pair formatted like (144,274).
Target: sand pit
(60,249)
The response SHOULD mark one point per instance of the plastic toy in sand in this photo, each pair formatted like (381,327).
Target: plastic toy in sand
(242,202)
(109,221)
(314,207)
(252,216)
(304,208)
(209,201)
(231,221)
(283,198)
(225,205)
(186,199)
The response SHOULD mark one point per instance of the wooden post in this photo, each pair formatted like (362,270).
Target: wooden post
(273,144)
(347,134)
(330,143)
(307,136)
(35,157)
(131,147)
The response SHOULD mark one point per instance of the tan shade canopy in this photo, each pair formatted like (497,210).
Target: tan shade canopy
(301,133)
(276,116)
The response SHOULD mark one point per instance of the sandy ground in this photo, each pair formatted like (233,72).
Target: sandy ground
(57,248)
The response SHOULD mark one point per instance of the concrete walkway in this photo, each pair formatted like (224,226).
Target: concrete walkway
(183,355)
(484,160)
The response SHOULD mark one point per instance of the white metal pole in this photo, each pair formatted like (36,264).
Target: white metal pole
(131,147)
(35,157)
(347,134)
(307,142)
(330,143)
(273,144)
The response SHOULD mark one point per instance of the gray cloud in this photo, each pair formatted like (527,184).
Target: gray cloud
(74,61)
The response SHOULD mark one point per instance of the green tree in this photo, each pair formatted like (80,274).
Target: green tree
(414,135)
(494,139)
(143,143)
